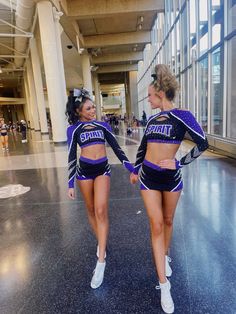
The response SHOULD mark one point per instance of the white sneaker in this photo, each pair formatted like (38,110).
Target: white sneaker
(98,275)
(167,265)
(98,252)
(167,303)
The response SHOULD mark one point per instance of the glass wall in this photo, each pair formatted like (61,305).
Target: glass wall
(193,25)
(203,26)
(203,93)
(231,15)
(196,36)
(231,99)
(217,81)
(217,21)
(184,38)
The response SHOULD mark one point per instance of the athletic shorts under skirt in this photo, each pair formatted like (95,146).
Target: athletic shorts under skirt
(89,169)
(153,177)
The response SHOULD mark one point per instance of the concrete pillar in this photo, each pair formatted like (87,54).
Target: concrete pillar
(59,30)
(133,91)
(32,97)
(53,69)
(38,86)
(97,97)
(27,104)
(87,78)
(127,97)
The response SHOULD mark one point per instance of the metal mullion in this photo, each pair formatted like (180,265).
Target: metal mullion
(225,83)
(209,115)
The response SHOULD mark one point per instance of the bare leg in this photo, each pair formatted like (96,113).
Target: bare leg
(153,203)
(6,141)
(87,190)
(3,142)
(101,195)
(169,203)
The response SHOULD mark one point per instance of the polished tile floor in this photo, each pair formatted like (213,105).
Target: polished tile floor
(47,250)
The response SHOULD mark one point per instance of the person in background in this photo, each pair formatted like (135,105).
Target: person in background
(144,118)
(23,130)
(4,135)
(160,175)
(93,170)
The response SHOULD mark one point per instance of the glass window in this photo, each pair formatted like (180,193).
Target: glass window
(231,103)
(176,7)
(217,21)
(231,15)
(203,92)
(173,42)
(177,47)
(192,22)
(203,26)
(185,90)
(184,38)
(172,12)
(192,89)
(217,91)
(167,15)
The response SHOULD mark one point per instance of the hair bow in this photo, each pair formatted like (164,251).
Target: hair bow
(80,93)
(154,76)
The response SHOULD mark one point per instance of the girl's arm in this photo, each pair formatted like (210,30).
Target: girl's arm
(197,135)
(72,155)
(110,137)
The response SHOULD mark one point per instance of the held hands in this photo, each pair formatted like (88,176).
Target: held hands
(133,178)
(168,164)
(71,193)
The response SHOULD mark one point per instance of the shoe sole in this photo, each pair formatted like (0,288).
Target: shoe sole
(95,287)
(168,311)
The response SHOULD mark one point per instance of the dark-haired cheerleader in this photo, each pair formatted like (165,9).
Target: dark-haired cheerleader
(92,170)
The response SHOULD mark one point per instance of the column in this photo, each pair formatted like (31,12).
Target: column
(97,97)
(59,30)
(27,104)
(32,97)
(87,78)
(133,91)
(55,77)
(38,86)
(127,97)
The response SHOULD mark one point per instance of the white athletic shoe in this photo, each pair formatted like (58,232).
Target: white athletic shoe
(98,275)
(167,265)
(167,303)
(98,252)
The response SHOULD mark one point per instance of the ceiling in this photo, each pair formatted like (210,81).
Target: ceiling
(8,78)
(114,34)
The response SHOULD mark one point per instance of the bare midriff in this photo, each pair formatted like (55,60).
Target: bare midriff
(94,152)
(160,151)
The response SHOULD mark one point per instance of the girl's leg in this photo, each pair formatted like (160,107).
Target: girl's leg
(101,195)
(3,142)
(87,191)
(153,203)
(6,141)
(169,203)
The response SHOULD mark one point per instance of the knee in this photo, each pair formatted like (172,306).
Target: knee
(157,228)
(90,209)
(168,221)
(101,213)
